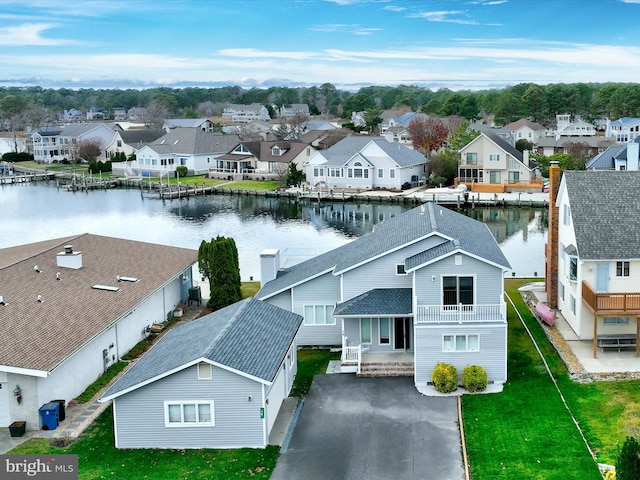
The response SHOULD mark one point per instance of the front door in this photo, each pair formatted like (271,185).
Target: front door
(402,333)
(602,277)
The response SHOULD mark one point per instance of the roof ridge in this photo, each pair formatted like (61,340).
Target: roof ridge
(432,217)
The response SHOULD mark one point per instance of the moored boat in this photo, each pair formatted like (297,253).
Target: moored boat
(545,313)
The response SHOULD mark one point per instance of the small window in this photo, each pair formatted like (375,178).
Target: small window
(616,320)
(381,173)
(400,269)
(566,215)
(365,330)
(189,414)
(573,268)
(204,371)
(622,269)
(392,173)
(494,157)
(562,291)
(384,330)
(573,304)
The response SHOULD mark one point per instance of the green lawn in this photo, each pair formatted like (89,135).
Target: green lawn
(251,185)
(311,362)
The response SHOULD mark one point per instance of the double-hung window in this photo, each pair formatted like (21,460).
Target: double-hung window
(319,315)
(472,158)
(189,413)
(494,157)
(622,269)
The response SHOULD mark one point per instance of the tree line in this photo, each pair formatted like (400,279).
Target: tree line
(526,100)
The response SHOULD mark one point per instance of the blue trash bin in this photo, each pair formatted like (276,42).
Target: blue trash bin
(49,415)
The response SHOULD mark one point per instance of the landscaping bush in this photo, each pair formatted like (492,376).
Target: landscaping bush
(181,171)
(628,464)
(474,378)
(17,157)
(445,377)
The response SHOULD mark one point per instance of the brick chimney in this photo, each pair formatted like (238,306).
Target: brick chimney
(551,247)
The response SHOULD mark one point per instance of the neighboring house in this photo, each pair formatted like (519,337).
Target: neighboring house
(402,120)
(119,114)
(399,135)
(72,115)
(321,139)
(583,146)
(366,163)
(427,284)
(578,128)
(358,120)
(129,142)
(524,129)
(624,129)
(593,256)
(504,133)
(256,130)
(246,113)
(289,110)
(95,114)
(65,144)
(617,157)
(215,382)
(190,147)
(66,318)
(137,113)
(203,124)
(490,159)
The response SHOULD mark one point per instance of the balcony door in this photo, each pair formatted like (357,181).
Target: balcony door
(602,277)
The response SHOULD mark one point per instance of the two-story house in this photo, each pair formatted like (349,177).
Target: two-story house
(524,129)
(246,113)
(289,110)
(624,129)
(425,286)
(617,157)
(490,159)
(64,144)
(363,162)
(593,252)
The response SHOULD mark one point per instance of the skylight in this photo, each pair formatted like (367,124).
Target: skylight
(120,278)
(108,288)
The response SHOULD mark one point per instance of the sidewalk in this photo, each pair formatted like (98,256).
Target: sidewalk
(79,417)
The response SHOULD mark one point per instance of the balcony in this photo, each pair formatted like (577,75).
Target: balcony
(432,314)
(613,304)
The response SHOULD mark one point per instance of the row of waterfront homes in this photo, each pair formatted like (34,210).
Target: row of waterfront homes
(426,285)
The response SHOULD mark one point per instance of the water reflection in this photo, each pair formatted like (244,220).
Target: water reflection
(40,211)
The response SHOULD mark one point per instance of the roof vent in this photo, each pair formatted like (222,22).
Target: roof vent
(36,269)
(40,300)
(127,279)
(68,249)
(58,276)
(2,302)
(108,288)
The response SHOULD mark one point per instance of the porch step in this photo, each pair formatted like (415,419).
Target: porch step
(386,369)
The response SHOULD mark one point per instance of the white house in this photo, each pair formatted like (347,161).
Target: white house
(593,256)
(71,307)
(524,129)
(426,285)
(203,124)
(578,128)
(289,110)
(246,113)
(623,129)
(363,162)
(64,144)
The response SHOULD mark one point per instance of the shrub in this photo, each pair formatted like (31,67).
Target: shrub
(610,475)
(181,171)
(474,378)
(17,157)
(628,464)
(445,377)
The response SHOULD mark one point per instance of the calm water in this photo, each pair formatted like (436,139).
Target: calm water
(39,211)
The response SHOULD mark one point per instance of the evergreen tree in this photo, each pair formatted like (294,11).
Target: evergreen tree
(218,262)
(628,464)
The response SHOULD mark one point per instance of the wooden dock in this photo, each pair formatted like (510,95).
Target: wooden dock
(7,180)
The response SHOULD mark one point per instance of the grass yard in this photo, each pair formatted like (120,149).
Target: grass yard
(98,458)
(253,185)
(526,431)
(311,362)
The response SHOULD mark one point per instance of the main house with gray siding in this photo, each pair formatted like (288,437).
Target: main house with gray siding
(426,285)
(216,382)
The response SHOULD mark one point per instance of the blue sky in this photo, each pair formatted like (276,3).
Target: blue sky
(351,43)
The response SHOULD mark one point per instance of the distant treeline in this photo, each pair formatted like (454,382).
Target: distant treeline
(539,102)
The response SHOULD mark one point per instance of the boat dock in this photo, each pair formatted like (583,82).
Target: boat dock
(9,179)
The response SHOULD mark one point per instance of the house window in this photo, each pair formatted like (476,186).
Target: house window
(562,291)
(622,269)
(457,290)
(381,173)
(400,269)
(319,315)
(616,320)
(275,151)
(392,173)
(204,371)
(189,414)
(365,330)
(357,171)
(566,217)
(472,158)
(573,304)
(494,157)
(495,177)
(350,172)
(572,268)
(514,177)
(384,331)
(460,343)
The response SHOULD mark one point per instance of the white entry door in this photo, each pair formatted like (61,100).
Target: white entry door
(602,277)
(5,417)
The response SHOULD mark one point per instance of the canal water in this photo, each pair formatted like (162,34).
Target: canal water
(39,211)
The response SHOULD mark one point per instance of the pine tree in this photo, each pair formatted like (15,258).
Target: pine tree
(218,262)
(628,464)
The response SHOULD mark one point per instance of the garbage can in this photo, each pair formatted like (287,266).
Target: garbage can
(49,415)
(61,414)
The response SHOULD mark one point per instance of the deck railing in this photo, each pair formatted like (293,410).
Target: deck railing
(610,301)
(461,313)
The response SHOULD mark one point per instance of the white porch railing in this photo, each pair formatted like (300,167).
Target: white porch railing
(461,313)
(351,354)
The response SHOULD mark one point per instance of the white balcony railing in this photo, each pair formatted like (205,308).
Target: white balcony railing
(351,354)
(461,313)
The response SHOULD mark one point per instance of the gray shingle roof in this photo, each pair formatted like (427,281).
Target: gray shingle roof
(605,160)
(377,302)
(346,148)
(605,211)
(249,336)
(193,141)
(41,335)
(506,146)
(411,226)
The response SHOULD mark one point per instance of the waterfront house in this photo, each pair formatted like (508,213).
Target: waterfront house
(593,266)
(425,285)
(366,163)
(624,129)
(64,144)
(565,127)
(215,382)
(246,113)
(71,307)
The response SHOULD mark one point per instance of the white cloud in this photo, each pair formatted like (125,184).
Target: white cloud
(443,16)
(29,34)
(341,27)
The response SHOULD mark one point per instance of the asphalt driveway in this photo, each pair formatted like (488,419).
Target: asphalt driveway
(372,428)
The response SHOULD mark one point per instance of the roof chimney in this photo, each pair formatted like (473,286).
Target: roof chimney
(69,259)
(269,265)
(552,245)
